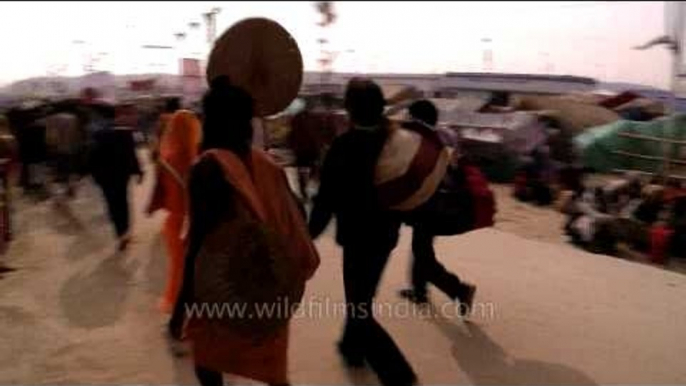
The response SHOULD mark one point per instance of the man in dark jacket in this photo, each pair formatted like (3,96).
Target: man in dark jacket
(112,163)
(366,232)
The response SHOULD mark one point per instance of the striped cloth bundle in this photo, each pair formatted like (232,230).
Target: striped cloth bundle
(410,168)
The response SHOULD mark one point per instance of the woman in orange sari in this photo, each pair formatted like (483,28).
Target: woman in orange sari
(229,178)
(178,149)
(171,106)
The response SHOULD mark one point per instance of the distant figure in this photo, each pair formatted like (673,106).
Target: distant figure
(534,178)
(65,144)
(112,163)
(306,144)
(8,155)
(179,146)
(8,144)
(243,215)
(90,110)
(364,229)
(425,267)
(32,149)
(171,106)
(499,102)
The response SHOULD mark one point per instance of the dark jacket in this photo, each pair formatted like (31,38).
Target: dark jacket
(113,156)
(347,191)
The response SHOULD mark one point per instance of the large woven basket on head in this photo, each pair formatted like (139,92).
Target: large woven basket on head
(260,56)
(573,115)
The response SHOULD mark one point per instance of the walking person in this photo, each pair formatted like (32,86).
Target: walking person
(9,157)
(425,267)
(65,142)
(366,232)
(244,226)
(178,149)
(32,150)
(171,106)
(112,163)
(305,141)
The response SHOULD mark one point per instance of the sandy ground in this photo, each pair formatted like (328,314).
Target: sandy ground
(76,312)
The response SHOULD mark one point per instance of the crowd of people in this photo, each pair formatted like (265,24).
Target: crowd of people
(646,215)
(235,231)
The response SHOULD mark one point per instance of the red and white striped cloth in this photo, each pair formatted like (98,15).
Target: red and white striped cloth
(410,167)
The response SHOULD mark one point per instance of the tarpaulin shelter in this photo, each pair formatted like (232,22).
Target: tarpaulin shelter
(630,145)
(497,141)
(572,115)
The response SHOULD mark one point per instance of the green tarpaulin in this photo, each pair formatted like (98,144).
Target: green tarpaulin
(596,145)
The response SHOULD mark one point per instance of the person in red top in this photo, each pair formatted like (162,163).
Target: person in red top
(305,141)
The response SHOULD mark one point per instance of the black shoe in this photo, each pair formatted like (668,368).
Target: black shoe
(396,380)
(466,299)
(176,344)
(414,296)
(175,329)
(352,358)
(124,242)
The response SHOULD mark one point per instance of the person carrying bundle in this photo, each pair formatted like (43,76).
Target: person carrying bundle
(425,267)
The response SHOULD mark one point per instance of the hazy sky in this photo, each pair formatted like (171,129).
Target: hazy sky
(580,38)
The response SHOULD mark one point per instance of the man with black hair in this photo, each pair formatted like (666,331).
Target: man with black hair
(366,232)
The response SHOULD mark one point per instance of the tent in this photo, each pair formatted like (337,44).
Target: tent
(498,141)
(574,116)
(597,146)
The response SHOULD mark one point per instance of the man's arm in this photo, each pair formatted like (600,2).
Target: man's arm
(324,201)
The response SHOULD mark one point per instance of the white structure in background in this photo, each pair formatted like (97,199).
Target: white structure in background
(192,79)
(210,18)
(487,55)
(676,28)
(192,50)
(674,39)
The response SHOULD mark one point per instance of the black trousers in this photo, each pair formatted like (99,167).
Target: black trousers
(63,166)
(426,269)
(116,195)
(363,266)
(25,177)
(207,377)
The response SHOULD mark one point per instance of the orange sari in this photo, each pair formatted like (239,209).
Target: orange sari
(162,123)
(263,188)
(178,149)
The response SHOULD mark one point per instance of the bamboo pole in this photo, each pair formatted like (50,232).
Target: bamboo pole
(650,157)
(623,171)
(653,138)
